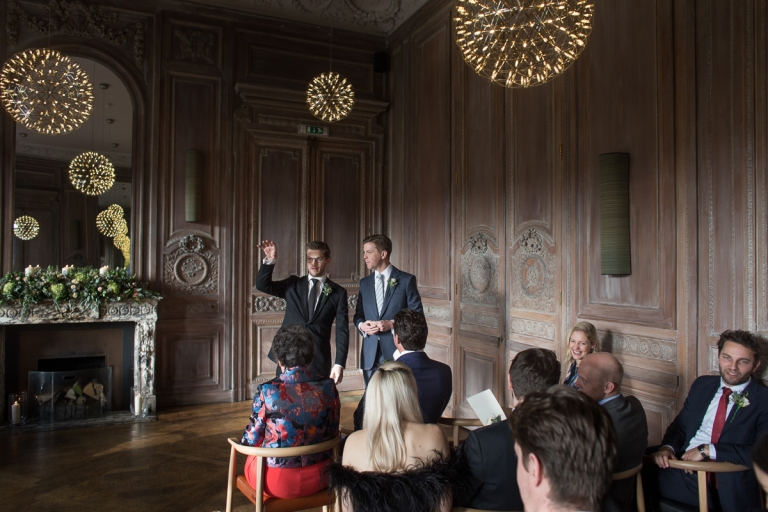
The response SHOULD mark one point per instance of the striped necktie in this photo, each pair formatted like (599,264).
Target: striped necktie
(380,292)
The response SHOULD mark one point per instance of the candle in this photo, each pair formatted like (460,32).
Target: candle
(16,413)
(137,405)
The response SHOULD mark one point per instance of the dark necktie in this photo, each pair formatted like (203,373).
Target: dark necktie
(312,296)
(722,409)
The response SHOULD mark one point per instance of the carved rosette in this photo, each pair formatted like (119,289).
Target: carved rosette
(190,269)
(651,348)
(533,274)
(480,273)
(268,304)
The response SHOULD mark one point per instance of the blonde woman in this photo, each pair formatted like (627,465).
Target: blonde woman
(396,461)
(582,340)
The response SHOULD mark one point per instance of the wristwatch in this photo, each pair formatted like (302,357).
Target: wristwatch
(701,448)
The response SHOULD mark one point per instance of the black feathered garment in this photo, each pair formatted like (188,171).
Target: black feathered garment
(421,488)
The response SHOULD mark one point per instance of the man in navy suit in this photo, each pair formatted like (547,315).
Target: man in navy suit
(722,418)
(382,294)
(433,378)
(313,301)
(489,452)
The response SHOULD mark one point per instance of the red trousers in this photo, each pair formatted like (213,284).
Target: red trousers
(287,483)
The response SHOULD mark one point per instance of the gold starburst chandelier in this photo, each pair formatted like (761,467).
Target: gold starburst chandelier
(122,242)
(111,222)
(520,43)
(46,91)
(91,173)
(26,227)
(330,97)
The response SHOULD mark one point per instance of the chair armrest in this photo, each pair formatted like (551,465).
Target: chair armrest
(628,473)
(707,466)
(294,451)
(460,422)
(346,431)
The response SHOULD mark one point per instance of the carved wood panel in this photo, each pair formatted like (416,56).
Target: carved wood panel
(191,365)
(761,161)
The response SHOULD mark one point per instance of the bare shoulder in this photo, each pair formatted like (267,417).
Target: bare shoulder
(355,449)
(423,440)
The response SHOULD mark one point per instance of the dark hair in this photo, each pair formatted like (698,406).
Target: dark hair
(411,329)
(760,453)
(293,346)
(533,369)
(575,441)
(318,245)
(382,243)
(744,338)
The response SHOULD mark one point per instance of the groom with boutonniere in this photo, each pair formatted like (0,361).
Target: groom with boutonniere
(313,301)
(383,293)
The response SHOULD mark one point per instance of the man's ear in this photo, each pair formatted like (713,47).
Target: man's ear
(609,387)
(384,255)
(535,469)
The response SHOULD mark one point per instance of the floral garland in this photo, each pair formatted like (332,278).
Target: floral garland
(86,285)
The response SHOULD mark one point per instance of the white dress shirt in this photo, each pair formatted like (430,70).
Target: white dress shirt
(387,272)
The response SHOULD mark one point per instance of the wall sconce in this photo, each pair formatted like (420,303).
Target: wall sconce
(615,256)
(192,186)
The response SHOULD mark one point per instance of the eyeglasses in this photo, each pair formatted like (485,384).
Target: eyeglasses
(315,260)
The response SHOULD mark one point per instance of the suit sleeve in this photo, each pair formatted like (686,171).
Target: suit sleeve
(676,434)
(264,282)
(359,310)
(413,297)
(342,330)
(472,454)
(253,434)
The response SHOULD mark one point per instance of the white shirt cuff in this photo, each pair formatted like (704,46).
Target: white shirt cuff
(267,261)
(335,365)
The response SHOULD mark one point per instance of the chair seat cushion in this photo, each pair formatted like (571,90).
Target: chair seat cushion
(319,499)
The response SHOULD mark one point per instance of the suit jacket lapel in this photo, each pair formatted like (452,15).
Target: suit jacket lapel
(390,291)
(321,302)
(732,414)
(368,283)
(303,290)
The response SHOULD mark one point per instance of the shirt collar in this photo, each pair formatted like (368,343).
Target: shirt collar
(736,389)
(387,272)
(606,400)
(397,355)
(322,279)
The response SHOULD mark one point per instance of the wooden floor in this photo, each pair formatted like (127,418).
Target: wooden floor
(178,463)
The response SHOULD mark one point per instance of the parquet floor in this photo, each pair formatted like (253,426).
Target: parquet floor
(178,463)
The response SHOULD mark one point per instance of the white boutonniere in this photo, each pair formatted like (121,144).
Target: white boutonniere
(392,283)
(740,400)
(326,290)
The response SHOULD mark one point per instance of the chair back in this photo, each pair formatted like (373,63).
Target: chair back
(316,500)
(455,424)
(701,469)
(630,473)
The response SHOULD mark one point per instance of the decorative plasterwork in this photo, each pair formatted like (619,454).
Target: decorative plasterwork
(714,365)
(268,304)
(533,274)
(651,348)
(480,273)
(80,20)
(483,320)
(195,45)
(534,328)
(143,313)
(352,302)
(437,312)
(190,269)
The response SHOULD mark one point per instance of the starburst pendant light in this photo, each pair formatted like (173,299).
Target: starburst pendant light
(26,227)
(329,96)
(91,173)
(522,43)
(46,91)
(111,222)
(122,242)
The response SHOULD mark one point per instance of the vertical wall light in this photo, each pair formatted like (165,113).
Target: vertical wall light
(192,186)
(615,258)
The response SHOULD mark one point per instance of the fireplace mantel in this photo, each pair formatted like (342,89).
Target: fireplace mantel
(143,313)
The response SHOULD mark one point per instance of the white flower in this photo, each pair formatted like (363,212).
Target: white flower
(103,270)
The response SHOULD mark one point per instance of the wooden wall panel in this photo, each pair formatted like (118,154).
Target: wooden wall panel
(191,361)
(624,93)
(431,159)
(761,160)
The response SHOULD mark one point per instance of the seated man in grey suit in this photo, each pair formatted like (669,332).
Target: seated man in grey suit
(433,378)
(490,451)
(600,376)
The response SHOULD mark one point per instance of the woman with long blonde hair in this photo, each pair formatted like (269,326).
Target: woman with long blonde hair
(581,340)
(396,462)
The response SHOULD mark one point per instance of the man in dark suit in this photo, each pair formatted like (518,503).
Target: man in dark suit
(600,376)
(382,294)
(433,378)
(489,452)
(313,301)
(721,419)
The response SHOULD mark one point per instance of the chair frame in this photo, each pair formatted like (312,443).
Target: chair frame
(456,423)
(701,469)
(634,472)
(262,453)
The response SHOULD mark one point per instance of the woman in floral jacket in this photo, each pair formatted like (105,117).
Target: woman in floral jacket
(299,408)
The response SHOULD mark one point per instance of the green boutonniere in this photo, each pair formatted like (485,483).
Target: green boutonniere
(740,400)
(326,290)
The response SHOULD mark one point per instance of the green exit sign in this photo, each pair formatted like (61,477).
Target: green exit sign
(308,129)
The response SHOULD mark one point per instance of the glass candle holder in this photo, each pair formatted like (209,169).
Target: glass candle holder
(17,408)
(139,403)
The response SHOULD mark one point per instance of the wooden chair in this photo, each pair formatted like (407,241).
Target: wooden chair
(701,469)
(266,503)
(455,424)
(634,472)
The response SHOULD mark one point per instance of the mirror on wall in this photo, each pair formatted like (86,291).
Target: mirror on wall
(68,234)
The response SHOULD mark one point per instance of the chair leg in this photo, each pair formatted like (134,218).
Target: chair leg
(231,481)
(702,478)
(260,461)
(639,496)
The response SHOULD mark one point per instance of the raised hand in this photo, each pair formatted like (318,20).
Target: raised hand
(269,248)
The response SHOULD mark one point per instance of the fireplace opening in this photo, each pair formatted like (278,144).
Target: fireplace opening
(63,364)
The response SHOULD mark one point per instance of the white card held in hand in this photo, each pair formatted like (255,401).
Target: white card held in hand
(487,408)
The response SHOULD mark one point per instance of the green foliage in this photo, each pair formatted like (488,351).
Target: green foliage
(85,285)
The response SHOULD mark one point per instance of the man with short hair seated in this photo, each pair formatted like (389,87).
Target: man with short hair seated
(566,448)
(489,452)
(600,376)
(433,378)
(721,419)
